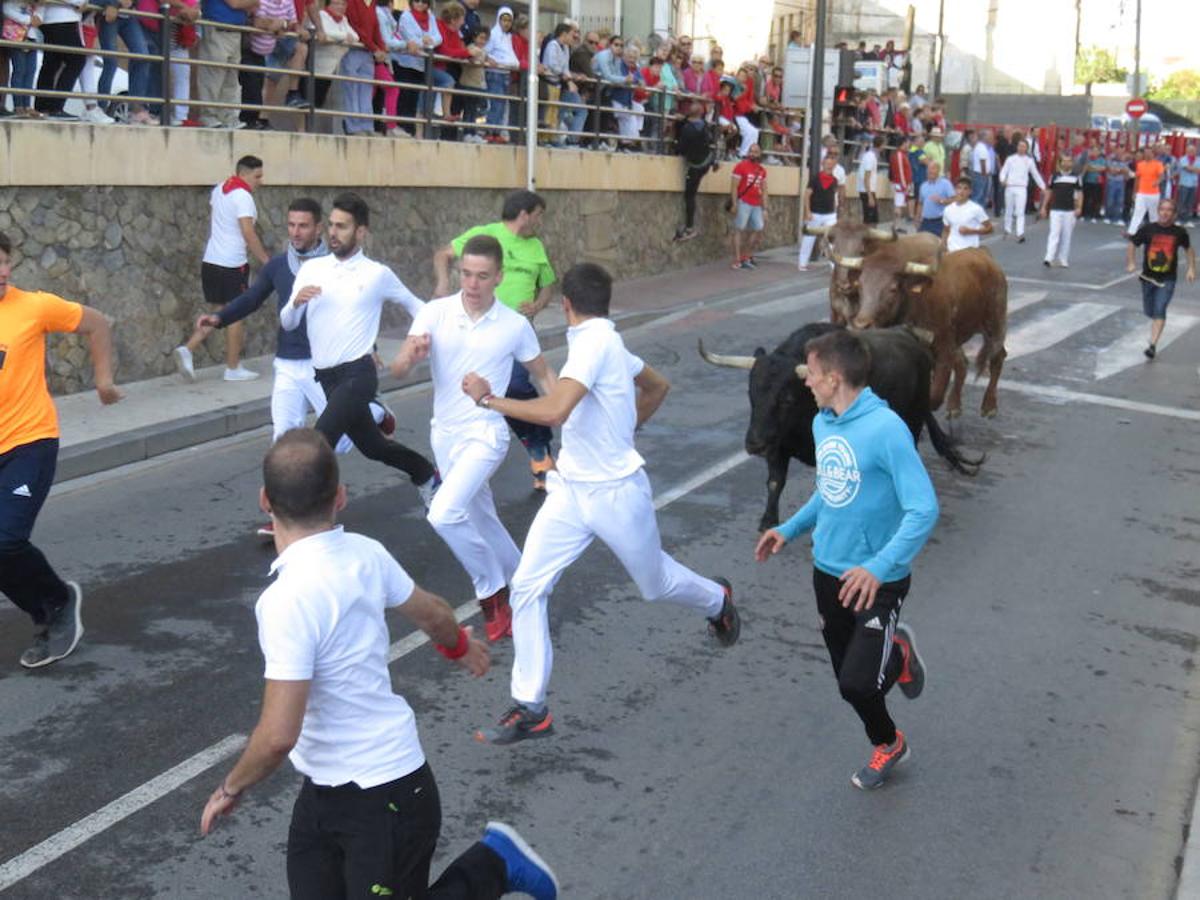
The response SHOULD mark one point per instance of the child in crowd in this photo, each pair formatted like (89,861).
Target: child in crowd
(472,79)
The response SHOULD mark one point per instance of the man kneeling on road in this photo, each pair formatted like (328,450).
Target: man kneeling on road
(367,819)
(872,492)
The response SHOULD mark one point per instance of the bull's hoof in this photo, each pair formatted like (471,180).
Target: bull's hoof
(953,413)
(988,413)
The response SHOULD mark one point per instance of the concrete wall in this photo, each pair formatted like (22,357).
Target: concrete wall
(124,228)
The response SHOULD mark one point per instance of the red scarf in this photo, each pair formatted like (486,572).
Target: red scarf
(421,17)
(334,16)
(233,183)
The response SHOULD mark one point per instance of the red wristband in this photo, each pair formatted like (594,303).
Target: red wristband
(459,649)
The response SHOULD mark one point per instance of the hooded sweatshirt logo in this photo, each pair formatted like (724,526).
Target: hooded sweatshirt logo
(838,475)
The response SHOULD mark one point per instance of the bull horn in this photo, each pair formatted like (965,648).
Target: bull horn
(802,371)
(882,234)
(732,362)
(847,262)
(816,230)
(916,268)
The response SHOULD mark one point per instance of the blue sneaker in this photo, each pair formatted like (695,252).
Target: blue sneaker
(527,872)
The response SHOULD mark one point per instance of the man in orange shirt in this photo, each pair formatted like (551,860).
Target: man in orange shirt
(1148,183)
(29,453)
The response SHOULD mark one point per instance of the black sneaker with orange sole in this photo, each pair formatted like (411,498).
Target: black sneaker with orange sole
(728,624)
(519,723)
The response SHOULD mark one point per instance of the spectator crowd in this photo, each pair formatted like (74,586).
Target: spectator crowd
(414,72)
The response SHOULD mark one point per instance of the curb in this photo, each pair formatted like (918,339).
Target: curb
(140,444)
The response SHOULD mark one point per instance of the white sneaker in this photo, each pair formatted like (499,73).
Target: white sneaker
(96,116)
(184,363)
(241,373)
(429,488)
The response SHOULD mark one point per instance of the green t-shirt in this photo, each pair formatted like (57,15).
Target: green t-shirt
(526,267)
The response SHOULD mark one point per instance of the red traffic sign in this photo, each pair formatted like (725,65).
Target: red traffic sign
(1137,107)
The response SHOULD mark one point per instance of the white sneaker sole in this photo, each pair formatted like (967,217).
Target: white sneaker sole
(524,848)
(182,363)
(78,630)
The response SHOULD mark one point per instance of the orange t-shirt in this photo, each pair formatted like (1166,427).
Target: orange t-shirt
(1149,176)
(27,413)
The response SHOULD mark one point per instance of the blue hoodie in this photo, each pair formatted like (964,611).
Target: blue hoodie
(874,505)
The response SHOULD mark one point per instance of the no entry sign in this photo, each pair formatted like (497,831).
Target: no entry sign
(1137,107)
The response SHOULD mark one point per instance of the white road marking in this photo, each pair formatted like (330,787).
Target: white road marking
(1063,395)
(1075,284)
(124,806)
(62,842)
(1126,352)
(1024,299)
(1049,330)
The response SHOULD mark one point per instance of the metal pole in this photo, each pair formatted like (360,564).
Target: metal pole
(531,114)
(816,104)
(1137,54)
(164,36)
(940,50)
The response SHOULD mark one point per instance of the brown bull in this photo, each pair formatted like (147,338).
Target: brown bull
(848,244)
(956,297)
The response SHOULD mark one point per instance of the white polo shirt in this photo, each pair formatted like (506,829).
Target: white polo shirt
(226,244)
(343,320)
(487,346)
(322,621)
(1017,170)
(956,214)
(597,438)
(868,166)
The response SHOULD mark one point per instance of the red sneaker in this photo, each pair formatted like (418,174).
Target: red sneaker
(497,615)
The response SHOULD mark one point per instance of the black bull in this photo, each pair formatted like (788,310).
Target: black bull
(782,407)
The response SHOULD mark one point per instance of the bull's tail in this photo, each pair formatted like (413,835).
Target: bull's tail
(983,359)
(946,448)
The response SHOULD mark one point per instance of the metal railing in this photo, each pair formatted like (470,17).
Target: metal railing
(599,110)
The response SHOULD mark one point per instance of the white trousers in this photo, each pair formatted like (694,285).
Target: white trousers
(808,241)
(1014,209)
(293,394)
(463,511)
(621,514)
(748,132)
(1058,244)
(1145,206)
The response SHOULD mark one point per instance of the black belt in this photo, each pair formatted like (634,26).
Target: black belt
(345,368)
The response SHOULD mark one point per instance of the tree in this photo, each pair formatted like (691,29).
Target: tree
(1181,85)
(1095,64)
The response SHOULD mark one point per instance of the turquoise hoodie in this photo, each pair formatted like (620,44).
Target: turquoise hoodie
(874,505)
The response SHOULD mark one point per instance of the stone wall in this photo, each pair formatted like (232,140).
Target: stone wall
(134,251)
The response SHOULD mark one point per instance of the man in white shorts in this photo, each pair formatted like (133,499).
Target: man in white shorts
(367,819)
(599,490)
(964,220)
(471,332)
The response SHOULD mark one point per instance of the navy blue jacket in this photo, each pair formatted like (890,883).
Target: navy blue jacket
(275,276)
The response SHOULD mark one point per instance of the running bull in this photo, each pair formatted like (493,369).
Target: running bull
(782,407)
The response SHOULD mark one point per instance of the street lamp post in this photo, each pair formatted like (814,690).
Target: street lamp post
(940,50)
(816,111)
(1137,52)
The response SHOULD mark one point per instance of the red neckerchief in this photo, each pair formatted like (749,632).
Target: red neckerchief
(421,17)
(334,16)
(233,183)
(827,181)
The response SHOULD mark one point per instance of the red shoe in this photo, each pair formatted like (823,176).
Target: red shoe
(191,123)
(497,615)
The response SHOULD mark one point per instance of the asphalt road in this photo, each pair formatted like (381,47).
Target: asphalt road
(1055,748)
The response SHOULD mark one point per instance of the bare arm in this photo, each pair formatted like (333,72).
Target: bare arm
(1131,256)
(652,390)
(532,307)
(414,350)
(253,243)
(545,376)
(99,335)
(433,615)
(550,410)
(442,259)
(1191,269)
(273,738)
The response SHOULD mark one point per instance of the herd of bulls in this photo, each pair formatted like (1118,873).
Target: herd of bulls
(915,307)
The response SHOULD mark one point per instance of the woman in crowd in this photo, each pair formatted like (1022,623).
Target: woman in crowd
(330,51)
(60,28)
(387,99)
(450,22)
(21,21)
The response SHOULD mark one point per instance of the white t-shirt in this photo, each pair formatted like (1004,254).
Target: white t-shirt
(226,245)
(981,156)
(958,214)
(322,621)
(839,173)
(1017,170)
(597,438)
(343,320)
(487,346)
(868,164)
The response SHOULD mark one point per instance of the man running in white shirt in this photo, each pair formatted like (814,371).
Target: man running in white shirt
(471,332)
(367,819)
(344,294)
(1014,176)
(964,220)
(600,490)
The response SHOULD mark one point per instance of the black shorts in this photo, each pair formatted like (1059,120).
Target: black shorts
(222,284)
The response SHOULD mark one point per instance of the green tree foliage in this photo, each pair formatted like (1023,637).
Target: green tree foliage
(1095,64)
(1181,85)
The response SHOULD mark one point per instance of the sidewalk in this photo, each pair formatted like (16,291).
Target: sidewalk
(161,415)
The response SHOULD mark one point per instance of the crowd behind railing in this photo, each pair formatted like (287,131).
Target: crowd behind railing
(364,68)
